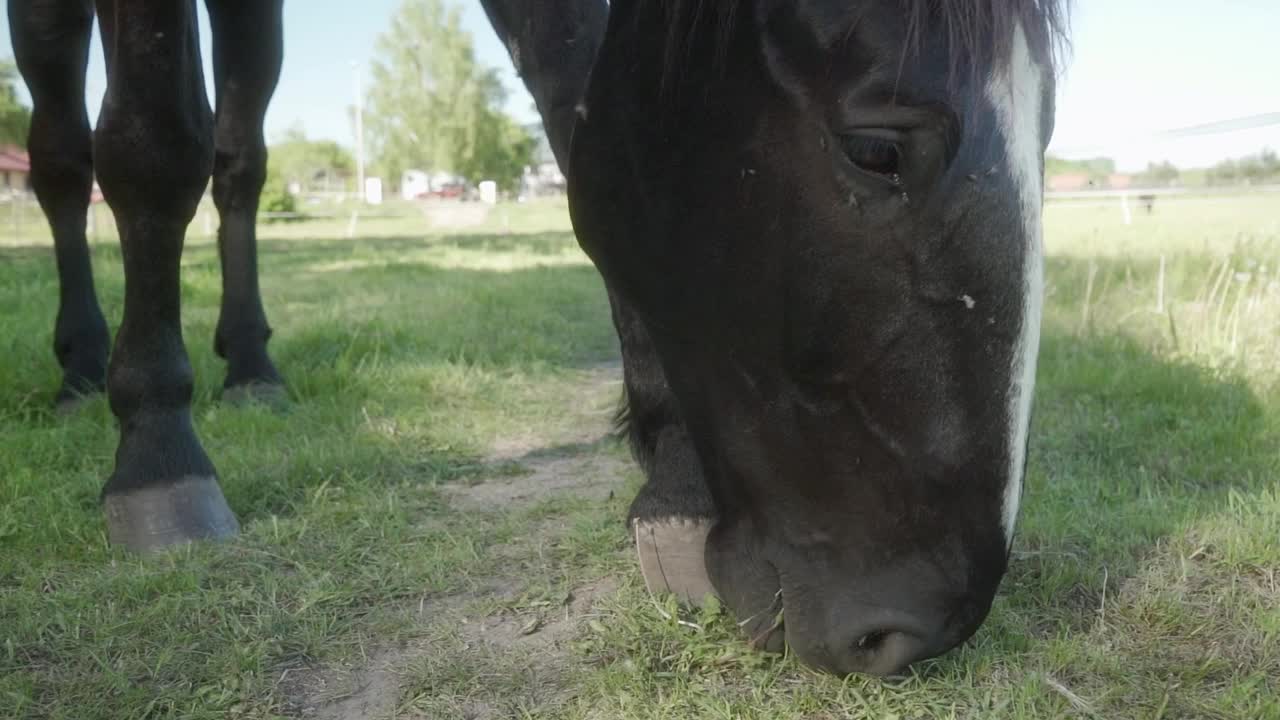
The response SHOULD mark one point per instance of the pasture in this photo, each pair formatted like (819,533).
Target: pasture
(433,527)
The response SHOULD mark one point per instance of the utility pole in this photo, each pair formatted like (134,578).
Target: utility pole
(355,68)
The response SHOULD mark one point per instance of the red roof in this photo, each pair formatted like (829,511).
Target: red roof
(14,158)
(1068,181)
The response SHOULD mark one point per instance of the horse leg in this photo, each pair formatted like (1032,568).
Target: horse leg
(51,46)
(153,147)
(673,512)
(248,48)
(553,46)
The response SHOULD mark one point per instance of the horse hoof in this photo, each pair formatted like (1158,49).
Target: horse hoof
(272,395)
(159,516)
(672,554)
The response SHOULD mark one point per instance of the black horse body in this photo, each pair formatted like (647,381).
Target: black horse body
(155,146)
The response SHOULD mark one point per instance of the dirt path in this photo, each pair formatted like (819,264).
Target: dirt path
(489,633)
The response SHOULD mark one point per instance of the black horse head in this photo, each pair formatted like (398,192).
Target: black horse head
(826,216)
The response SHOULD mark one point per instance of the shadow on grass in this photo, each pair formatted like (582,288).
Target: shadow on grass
(426,339)
(360,348)
(33,252)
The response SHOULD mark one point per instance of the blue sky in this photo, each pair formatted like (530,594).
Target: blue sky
(1137,67)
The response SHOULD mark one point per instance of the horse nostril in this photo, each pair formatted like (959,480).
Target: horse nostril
(871,641)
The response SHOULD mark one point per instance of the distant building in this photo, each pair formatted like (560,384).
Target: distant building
(1119,181)
(15,169)
(1069,182)
(414,184)
(543,177)
(1078,181)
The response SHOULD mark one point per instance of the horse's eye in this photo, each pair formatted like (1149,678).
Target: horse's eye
(873,154)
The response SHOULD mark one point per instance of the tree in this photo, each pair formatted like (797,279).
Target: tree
(1224,173)
(294,158)
(1097,169)
(1162,174)
(276,197)
(1260,168)
(15,118)
(432,106)
(503,149)
(1270,162)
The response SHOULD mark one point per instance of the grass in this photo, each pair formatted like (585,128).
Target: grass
(424,362)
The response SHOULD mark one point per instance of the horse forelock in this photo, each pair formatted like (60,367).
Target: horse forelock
(978,33)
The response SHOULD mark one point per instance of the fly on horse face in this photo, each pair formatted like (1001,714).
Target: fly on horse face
(154,148)
(819,225)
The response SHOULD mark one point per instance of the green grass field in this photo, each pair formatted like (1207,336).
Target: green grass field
(434,527)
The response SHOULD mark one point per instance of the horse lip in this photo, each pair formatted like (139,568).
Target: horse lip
(773,640)
(671,552)
(766,629)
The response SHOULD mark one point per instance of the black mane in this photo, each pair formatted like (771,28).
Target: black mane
(979,32)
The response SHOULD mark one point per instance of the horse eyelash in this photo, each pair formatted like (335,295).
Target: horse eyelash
(858,147)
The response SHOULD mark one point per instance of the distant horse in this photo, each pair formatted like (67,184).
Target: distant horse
(155,146)
(819,222)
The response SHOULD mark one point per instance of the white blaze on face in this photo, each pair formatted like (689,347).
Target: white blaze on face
(1016,95)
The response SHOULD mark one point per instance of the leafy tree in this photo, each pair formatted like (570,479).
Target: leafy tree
(1270,161)
(1097,169)
(294,158)
(1260,168)
(1224,173)
(15,118)
(1161,174)
(432,106)
(1251,168)
(502,151)
(1098,165)
(276,197)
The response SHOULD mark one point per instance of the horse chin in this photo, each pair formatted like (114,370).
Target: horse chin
(672,554)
